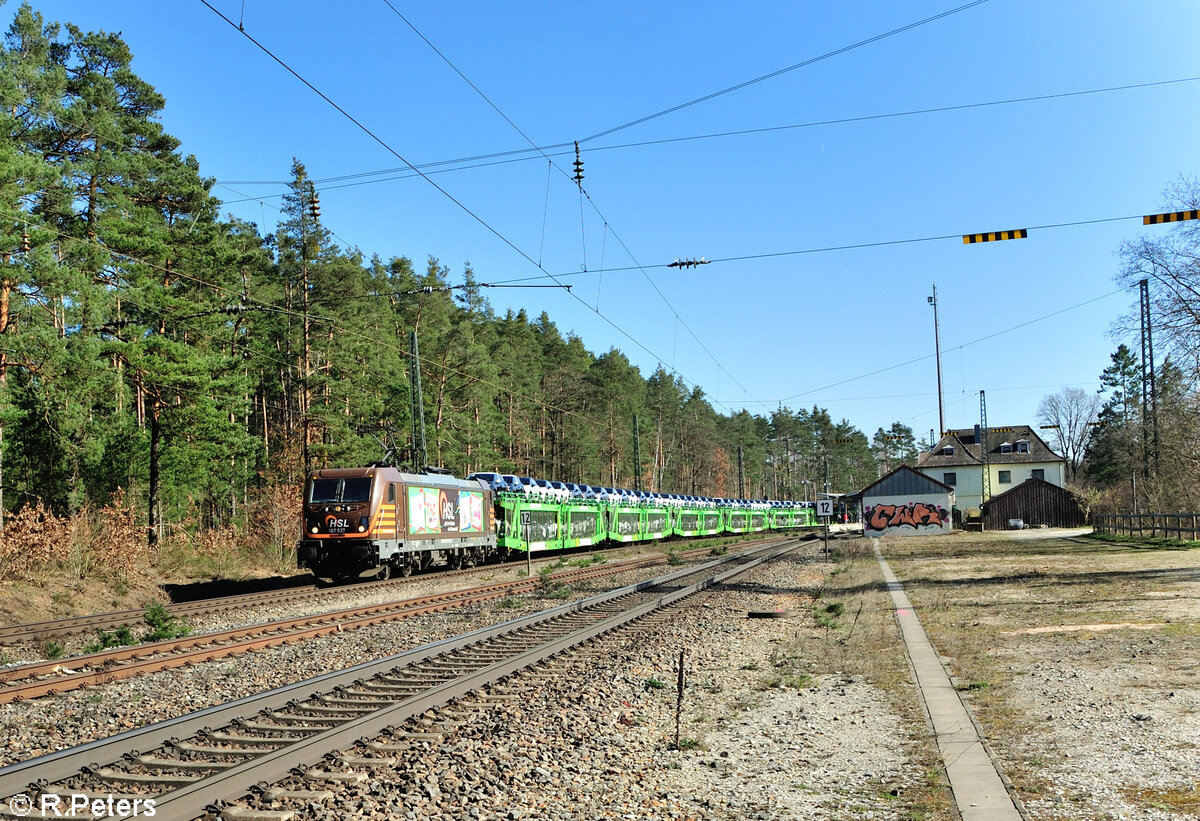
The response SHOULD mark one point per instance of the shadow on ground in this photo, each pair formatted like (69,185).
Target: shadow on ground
(229,587)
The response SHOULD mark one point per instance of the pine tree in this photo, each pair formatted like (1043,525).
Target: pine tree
(1114,449)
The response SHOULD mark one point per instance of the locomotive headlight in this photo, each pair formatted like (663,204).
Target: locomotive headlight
(362,525)
(314,529)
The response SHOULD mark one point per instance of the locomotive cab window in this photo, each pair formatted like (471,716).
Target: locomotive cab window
(391,493)
(356,490)
(324,491)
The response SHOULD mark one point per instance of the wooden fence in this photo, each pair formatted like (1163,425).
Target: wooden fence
(1149,525)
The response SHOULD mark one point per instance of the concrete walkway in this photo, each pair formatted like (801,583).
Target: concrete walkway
(978,790)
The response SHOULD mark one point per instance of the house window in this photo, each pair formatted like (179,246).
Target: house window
(1038,473)
(948,450)
(949,479)
(1006,448)
(1005,477)
(1023,446)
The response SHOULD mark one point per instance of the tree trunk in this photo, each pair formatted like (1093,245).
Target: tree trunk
(152,493)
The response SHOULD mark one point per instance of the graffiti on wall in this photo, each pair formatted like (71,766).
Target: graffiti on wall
(918,515)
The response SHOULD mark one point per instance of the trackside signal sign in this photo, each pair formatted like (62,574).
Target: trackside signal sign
(1174,216)
(995,236)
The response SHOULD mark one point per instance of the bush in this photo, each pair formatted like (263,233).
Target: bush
(220,551)
(556,590)
(121,637)
(33,540)
(163,626)
(275,525)
(827,616)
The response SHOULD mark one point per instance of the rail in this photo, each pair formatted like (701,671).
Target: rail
(1182,526)
(298,725)
(41,678)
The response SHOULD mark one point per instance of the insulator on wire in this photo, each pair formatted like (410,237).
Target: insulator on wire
(578,166)
(25,241)
(314,205)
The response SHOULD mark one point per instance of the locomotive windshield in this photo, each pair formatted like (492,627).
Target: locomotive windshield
(340,490)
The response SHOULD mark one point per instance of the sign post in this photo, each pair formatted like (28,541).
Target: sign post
(526,531)
(825,512)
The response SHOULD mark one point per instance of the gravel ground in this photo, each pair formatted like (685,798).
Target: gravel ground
(1081,660)
(1119,723)
(43,725)
(596,739)
(342,597)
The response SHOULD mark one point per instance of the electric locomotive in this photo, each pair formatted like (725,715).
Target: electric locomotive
(380,521)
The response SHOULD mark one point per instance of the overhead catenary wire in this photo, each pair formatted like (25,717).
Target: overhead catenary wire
(299,314)
(827,248)
(577,178)
(946,349)
(443,191)
(182,274)
(563,148)
(375,137)
(771,75)
(925,394)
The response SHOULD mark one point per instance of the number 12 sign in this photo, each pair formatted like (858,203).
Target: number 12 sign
(825,507)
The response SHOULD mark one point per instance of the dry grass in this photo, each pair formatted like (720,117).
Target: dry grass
(854,632)
(1182,801)
(97,560)
(994,605)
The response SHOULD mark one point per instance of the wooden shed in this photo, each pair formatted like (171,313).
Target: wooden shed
(1034,502)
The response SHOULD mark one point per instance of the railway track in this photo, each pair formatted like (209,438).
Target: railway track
(38,679)
(76,625)
(196,764)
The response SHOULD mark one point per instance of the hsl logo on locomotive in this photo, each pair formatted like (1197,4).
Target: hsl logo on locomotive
(335,525)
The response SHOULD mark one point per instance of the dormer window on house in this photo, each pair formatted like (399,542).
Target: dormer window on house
(948,450)
(1022,446)
(1006,447)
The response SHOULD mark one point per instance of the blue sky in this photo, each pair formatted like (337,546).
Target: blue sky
(803,328)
